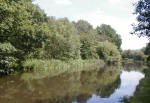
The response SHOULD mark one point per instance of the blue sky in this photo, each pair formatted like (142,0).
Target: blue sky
(117,13)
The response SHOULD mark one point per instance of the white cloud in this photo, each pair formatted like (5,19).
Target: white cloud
(121,25)
(64,2)
(114,1)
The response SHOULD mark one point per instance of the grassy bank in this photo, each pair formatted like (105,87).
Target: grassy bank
(44,68)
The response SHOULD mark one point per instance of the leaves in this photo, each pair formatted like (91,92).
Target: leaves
(143,17)
(26,32)
(107,33)
(108,52)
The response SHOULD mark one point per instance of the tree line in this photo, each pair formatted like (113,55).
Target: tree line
(26,32)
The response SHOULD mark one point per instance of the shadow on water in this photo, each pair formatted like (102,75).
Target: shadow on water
(80,87)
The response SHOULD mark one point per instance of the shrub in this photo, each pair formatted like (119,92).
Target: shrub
(88,49)
(133,54)
(8,62)
(108,52)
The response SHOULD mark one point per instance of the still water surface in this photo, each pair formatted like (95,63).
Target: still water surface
(106,85)
(129,81)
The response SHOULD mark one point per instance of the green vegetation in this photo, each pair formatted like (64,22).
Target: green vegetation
(7,59)
(108,52)
(48,68)
(106,32)
(142,94)
(29,39)
(147,49)
(142,55)
(142,28)
(43,46)
(147,52)
(133,55)
(87,38)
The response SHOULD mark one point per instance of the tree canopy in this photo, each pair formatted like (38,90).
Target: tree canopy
(106,32)
(26,32)
(143,17)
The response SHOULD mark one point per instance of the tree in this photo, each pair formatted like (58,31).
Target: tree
(108,52)
(26,32)
(147,52)
(88,49)
(22,28)
(143,17)
(147,49)
(107,33)
(133,54)
(84,27)
(63,42)
(19,25)
(87,39)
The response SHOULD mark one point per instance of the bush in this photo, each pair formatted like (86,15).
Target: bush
(133,54)
(8,62)
(88,49)
(108,52)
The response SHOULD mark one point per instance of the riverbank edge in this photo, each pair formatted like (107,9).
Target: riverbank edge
(49,68)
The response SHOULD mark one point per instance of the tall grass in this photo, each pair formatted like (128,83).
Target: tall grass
(44,68)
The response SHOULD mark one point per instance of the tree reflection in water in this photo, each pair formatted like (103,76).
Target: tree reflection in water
(65,88)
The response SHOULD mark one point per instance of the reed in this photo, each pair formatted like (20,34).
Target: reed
(44,68)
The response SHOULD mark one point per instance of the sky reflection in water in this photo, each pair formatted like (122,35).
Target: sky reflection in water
(106,85)
(129,81)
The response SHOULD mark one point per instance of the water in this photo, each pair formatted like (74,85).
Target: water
(129,81)
(106,85)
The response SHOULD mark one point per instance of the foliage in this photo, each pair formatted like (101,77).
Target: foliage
(26,32)
(88,49)
(8,61)
(63,43)
(7,48)
(19,27)
(147,49)
(133,54)
(50,68)
(108,52)
(84,28)
(148,60)
(106,32)
(143,17)
(87,39)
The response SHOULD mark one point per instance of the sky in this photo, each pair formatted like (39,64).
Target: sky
(117,13)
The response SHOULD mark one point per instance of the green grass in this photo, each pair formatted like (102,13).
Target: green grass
(44,68)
